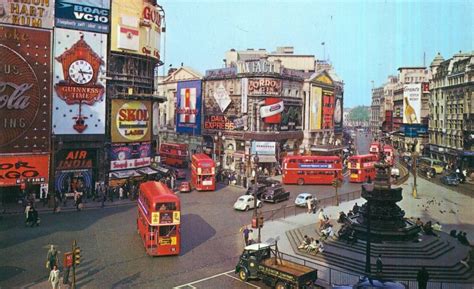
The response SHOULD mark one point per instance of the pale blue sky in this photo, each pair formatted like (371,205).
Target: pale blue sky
(365,40)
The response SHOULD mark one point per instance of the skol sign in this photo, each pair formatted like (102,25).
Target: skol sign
(132,121)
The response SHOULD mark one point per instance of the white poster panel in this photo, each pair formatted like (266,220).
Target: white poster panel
(263,148)
(79,82)
(272,109)
(412,103)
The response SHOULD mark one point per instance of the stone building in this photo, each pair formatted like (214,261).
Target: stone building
(252,108)
(452,110)
(375,108)
(410,109)
(167,87)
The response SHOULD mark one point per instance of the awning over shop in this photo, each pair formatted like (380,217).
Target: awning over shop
(147,171)
(123,174)
(266,159)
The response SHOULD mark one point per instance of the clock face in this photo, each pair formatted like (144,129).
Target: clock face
(81,72)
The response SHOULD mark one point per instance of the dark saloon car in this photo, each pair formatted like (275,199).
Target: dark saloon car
(372,283)
(450,180)
(261,188)
(275,194)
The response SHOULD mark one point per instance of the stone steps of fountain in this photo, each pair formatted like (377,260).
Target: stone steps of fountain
(430,248)
(447,269)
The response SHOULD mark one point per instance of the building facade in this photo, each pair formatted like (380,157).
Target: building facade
(452,111)
(252,108)
(167,117)
(411,109)
(375,109)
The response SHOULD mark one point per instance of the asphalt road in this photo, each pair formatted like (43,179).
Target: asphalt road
(112,252)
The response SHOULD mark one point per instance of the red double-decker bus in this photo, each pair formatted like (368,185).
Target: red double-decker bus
(203,173)
(318,170)
(388,151)
(158,221)
(361,167)
(174,154)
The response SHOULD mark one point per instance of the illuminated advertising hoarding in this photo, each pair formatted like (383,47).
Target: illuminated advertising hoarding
(263,148)
(136,28)
(338,109)
(271,111)
(315,110)
(264,86)
(15,170)
(85,15)
(188,107)
(25,89)
(412,103)
(130,120)
(79,82)
(328,109)
(130,156)
(36,14)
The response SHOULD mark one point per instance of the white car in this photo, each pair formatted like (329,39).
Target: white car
(395,172)
(246,202)
(302,199)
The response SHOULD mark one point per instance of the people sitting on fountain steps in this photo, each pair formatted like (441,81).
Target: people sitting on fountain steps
(355,209)
(419,223)
(462,238)
(327,233)
(428,229)
(304,244)
(311,246)
(437,227)
(350,214)
(315,247)
(342,218)
(452,233)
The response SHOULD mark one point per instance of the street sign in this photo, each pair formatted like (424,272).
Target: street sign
(67,261)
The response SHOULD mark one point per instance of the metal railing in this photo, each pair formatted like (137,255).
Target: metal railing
(334,276)
(292,210)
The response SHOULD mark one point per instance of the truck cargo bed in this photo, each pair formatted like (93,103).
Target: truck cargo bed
(287,266)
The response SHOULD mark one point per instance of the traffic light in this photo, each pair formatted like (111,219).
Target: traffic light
(260,221)
(77,256)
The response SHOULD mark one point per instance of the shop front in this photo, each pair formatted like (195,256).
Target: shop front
(24,176)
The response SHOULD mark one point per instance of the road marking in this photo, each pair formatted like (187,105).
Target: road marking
(203,279)
(255,286)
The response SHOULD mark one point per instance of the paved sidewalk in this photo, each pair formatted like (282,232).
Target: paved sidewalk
(453,210)
(15,208)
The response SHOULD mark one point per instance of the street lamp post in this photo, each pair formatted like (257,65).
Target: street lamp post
(414,157)
(256,217)
(219,138)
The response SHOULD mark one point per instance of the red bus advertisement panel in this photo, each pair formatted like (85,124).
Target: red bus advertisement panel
(203,173)
(173,154)
(159,219)
(317,170)
(362,167)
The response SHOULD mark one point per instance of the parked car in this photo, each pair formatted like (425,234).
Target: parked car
(460,176)
(267,181)
(366,283)
(275,194)
(261,188)
(451,180)
(246,202)
(301,199)
(427,171)
(184,187)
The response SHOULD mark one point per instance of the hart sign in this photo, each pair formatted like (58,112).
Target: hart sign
(132,121)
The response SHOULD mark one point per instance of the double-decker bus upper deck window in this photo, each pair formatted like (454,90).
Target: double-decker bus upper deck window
(165,206)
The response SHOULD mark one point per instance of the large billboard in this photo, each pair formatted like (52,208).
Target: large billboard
(188,107)
(130,120)
(130,156)
(315,109)
(264,86)
(79,82)
(338,109)
(136,28)
(15,170)
(37,13)
(328,109)
(412,103)
(84,15)
(25,89)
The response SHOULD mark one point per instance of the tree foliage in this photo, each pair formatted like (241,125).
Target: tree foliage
(359,113)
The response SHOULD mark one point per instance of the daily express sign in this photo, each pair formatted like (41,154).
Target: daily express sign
(91,15)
